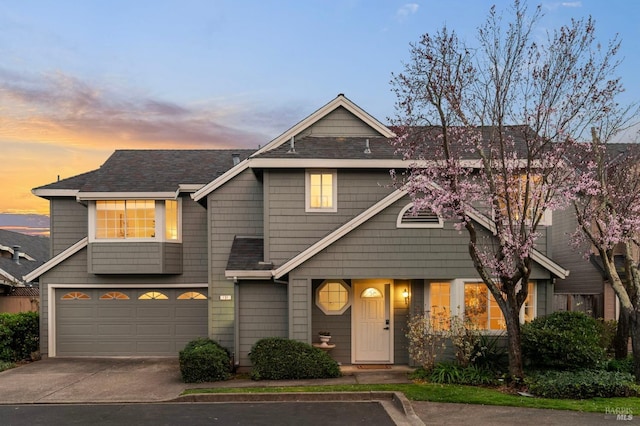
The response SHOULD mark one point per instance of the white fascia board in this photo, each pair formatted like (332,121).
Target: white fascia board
(339,101)
(44,193)
(325,163)
(61,257)
(221,180)
(259,275)
(338,233)
(188,188)
(86,196)
(9,277)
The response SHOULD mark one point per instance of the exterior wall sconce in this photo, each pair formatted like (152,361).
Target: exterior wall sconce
(405,294)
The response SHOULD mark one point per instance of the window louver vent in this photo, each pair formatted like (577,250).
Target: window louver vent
(422,216)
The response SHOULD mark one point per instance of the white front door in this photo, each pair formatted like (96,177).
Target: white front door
(372,322)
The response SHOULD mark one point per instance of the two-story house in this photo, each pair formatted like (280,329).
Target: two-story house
(305,234)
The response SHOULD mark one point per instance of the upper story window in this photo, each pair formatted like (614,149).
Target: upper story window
(520,198)
(321,191)
(150,220)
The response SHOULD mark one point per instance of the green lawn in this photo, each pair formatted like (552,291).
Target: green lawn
(453,393)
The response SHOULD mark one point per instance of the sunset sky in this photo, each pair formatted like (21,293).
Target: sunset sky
(79,79)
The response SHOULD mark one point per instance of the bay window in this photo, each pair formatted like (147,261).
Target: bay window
(135,220)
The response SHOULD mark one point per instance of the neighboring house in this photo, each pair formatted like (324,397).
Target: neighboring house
(19,255)
(587,288)
(305,234)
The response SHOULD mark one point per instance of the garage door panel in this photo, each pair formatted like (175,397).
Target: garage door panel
(121,312)
(154,311)
(125,327)
(154,329)
(114,329)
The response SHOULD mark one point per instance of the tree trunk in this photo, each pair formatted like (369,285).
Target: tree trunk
(515,346)
(621,339)
(634,326)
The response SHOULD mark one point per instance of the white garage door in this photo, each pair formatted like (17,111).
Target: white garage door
(128,322)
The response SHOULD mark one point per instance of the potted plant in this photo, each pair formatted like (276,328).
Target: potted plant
(325,336)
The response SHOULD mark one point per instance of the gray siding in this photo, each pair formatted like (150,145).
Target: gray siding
(300,297)
(339,122)
(234,209)
(74,270)
(338,325)
(292,230)
(134,258)
(583,278)
(69,220)
(262,313)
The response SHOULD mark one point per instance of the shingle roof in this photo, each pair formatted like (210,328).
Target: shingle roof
(352,148)
(36,247)
(247,254)
(153,170)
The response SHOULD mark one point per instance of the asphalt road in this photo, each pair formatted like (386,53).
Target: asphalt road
(196,414)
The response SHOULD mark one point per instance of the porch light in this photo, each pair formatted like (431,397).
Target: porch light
(405,294)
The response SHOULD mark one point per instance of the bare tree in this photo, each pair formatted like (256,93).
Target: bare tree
(485,129)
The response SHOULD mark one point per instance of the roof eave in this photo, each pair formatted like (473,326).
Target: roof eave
(56,260)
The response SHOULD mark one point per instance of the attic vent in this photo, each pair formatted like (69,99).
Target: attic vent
(420,219)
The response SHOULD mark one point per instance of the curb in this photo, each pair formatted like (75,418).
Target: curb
(395,403)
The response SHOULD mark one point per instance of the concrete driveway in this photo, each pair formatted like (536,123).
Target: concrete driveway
(79,380)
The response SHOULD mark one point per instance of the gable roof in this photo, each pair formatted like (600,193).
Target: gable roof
(33,251)
(278,147)
(340,101)
(147,172)
(354,223)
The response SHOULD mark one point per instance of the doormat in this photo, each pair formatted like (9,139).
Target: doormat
(374,367)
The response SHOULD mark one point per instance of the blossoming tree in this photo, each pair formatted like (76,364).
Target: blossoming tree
(607,208)
(485,129)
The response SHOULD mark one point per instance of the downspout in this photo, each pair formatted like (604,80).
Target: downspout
(236,323)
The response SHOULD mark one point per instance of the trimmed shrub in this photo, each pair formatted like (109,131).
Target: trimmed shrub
(204,360)
(581,384)
(19,335)
(563,340)
(277,358)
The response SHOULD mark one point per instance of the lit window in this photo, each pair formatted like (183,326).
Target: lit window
(321,189)
(480,307)
(482,310)
(332,297)
(192,295)
(440,304)
(75,295)
(125,219)
(519,188)
(114,295)
(136,219)
(371,293)
(153,295)
(171,219)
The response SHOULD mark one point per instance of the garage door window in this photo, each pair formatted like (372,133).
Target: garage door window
(114,295)
(153,295)
(192,295)
(75,295)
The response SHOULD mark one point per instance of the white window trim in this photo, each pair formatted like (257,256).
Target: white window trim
(160,230)
(401,224)
(307,191)
(456,299)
